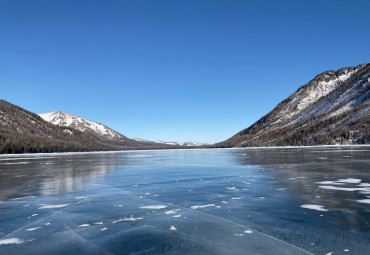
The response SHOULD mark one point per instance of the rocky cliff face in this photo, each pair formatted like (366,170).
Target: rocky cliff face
(331,108)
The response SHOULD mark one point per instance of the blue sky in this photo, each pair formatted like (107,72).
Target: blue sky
(173,70)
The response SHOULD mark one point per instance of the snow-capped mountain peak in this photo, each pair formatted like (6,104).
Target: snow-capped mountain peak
(69,120)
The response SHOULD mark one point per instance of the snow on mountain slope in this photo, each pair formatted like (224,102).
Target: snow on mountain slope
(330,105)
(22,131)
(307,96)
(69,120)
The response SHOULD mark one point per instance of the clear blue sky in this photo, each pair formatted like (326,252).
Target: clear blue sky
(173,70)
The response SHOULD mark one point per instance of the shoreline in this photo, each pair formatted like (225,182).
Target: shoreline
(183,149)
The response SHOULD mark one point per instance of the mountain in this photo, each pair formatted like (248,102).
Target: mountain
(87,126)
(64,119)
(22,131)
(103,132)
(333,108)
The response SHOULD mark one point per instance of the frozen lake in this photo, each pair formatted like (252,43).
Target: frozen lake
(217,201)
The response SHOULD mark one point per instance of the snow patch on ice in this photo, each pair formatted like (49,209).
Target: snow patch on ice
(350,180)
(127,219)
(364,184)
(231,188)
(53,206)
(154,207)
(202,206)
(84,226)
(315,207)
(172,211)
(364,201)
(32,229)
(344,189)
(11,241)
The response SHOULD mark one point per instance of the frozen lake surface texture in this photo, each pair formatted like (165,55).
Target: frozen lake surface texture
(218,201)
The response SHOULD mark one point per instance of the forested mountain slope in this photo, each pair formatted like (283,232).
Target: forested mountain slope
(330,109)
(23,131)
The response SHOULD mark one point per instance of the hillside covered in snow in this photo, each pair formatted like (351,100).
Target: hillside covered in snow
(69,120)
(333,108)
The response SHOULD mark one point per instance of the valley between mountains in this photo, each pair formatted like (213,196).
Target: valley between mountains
(332,108)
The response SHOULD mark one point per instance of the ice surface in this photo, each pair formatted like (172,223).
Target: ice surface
(91,184)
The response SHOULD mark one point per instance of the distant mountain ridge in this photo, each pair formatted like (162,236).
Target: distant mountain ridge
(22,131)
(186,144)
(64,119)
(332,108)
